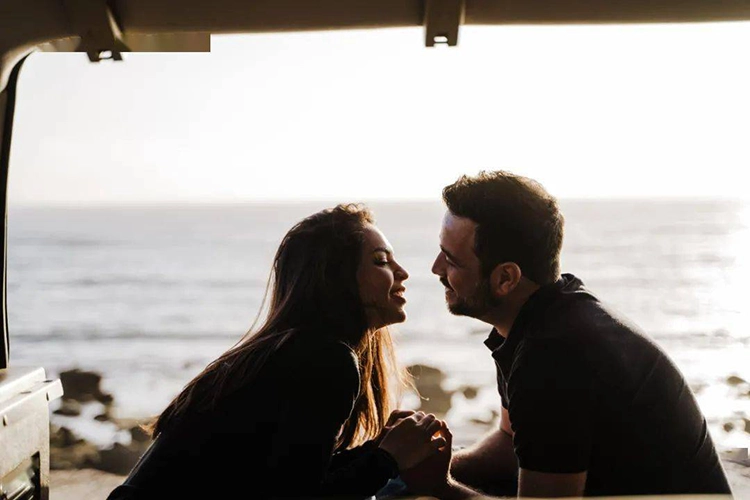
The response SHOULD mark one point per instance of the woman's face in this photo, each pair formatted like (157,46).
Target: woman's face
(380,279)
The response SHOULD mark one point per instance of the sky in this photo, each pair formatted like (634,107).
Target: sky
(589,111)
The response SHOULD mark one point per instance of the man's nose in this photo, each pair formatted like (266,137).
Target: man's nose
(439,265)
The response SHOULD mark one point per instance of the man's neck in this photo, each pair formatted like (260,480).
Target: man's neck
(505,318)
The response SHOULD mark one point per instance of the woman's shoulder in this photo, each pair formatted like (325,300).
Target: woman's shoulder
(311,348)
(311,363)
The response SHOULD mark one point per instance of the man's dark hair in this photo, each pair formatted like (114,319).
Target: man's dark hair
(517,221)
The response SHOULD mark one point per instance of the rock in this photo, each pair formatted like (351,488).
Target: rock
(68,451)
(747,424)
(105,399)
(83,386)
(77,456)
(735,380)
(480,421)
(106,416)
(433,398)
(698,387)
(69,408)
(119,459)
(470,392)
(427,375)
(139,435)
(62,437)
(728,426)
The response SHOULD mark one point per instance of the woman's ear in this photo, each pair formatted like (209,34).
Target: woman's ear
(505,278)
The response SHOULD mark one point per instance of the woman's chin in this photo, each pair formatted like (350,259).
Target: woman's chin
(395,317)
(399,316)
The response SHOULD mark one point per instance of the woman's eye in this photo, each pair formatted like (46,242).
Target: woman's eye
(381,262)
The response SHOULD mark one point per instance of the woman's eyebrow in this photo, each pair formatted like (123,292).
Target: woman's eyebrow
(383,249)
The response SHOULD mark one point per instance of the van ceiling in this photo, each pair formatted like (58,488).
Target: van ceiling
(84,25)
(30,22)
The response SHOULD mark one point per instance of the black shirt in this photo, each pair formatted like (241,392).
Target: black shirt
(274,438)
(587,391)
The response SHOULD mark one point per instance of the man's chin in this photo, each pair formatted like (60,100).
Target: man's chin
(458,309)
(464,309)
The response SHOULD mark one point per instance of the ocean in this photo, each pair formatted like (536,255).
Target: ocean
(147,296)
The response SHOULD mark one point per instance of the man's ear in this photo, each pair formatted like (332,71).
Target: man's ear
(505,278)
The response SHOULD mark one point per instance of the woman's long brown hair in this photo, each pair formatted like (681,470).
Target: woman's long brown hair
(313,289)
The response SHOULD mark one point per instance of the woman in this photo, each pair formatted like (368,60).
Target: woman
(279,414)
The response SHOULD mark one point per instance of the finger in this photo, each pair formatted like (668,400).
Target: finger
(434,427)
(427,420)
(410,421)
(446,433)
(439,442)
(398,415)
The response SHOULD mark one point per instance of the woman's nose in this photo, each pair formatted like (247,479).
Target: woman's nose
(402,274)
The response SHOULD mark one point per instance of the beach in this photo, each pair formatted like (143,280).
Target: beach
(96,485)
(82,469)
(142,298)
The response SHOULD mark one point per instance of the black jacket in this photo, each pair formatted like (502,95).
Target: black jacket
(271,439)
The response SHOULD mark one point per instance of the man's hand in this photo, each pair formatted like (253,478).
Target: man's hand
(412,440)
(432,475)
(491,464)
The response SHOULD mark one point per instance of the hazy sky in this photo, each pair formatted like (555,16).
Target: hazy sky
(588,111)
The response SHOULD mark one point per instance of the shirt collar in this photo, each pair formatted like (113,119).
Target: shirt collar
(538,301)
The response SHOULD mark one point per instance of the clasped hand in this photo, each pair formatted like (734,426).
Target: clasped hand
(421,445)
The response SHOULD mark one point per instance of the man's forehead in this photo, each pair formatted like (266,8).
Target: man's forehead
(458,227)
(457,235)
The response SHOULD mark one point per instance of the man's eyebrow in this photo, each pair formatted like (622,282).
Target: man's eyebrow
(450,255)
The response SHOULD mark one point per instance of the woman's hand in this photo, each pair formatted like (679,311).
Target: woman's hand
(411,439)
(395,416)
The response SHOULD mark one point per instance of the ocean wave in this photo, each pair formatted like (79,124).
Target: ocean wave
(64,335)
(62,242)
(718,338)
(151,281)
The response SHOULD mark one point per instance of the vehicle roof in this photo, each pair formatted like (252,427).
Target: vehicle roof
(185,25)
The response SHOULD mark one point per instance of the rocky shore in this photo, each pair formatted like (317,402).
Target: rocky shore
(85,469)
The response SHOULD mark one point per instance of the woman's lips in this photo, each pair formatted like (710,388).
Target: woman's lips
(398,295)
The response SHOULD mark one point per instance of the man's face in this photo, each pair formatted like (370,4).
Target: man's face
(467,292)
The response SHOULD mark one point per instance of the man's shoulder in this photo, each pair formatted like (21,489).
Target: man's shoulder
(582,318)
(591,336)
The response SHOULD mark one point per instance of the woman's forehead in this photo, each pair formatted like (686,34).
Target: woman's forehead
(374,240)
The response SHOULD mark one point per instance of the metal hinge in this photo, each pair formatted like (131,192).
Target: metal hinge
(442,19)
(101,35)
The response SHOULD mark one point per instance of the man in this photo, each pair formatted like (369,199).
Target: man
(590,405)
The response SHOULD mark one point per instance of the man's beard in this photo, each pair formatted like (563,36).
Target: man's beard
(478,305)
